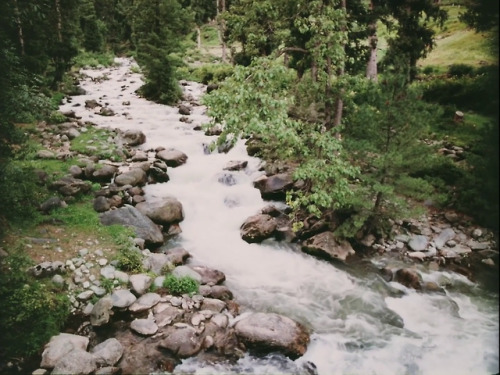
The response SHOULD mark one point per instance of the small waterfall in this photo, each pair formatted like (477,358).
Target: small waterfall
(359,324)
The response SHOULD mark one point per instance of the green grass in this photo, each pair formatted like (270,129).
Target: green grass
(458,44)
(92,59)
(98,138)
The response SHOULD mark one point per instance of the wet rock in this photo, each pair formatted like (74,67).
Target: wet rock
(172,157)
(274,187)
(268,332)
(409,278)
(209,275)
(258,228)
(184,110)
(106,111)
(325,245)
(92,103)
(133,137)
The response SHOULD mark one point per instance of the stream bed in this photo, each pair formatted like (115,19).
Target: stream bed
(360,324)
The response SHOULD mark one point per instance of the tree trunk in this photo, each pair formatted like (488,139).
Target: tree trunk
(198,37)
(221,7)
(339,107)
(371,66)
(20,33)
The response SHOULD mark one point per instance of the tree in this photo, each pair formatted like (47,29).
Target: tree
(383,136)
(156,30)
(413,37)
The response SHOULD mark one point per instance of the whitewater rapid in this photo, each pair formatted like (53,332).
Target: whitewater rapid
(359,324)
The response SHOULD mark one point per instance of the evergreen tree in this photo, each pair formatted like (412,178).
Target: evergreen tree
(157,27)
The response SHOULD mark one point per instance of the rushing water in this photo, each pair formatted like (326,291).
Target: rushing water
(359,323)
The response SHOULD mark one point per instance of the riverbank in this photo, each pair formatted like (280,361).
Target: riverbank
(347,303)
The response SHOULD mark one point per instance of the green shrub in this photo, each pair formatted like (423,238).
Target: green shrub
(460,70)
(21,194)
(129,259)
(31,311)
(181,285)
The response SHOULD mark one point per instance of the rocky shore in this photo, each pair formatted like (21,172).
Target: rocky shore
(129,323)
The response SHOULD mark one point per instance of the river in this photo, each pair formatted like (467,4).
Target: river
(360,324)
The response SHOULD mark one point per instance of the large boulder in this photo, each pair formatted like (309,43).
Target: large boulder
(183,341)
(131,217)
(257,228)
(269,332)
(135,176)
(76,362)
(167,212)
(326,246)
(108,352)
(274,187)
(61,345)
(172,157)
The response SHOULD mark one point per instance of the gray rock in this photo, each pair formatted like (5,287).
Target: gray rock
(45,154)
(146,327)
(75,171)
(59,346)
(165,314)
(51,204)
(104,173)
(108,272)
(418,243)
(145,302)
(213,304)
(76,362)
(156,262)
(185,271)
(183,341)
(101,312)
(101,204)
(446,235)
(268,332)
(140,283)
(122,298)
(131,217)
(108,352)
(135,176)
(166,212)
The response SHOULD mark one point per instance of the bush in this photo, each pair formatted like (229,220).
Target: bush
(31,312)
(21,194)
(130,259)
(460,70)
(181,285)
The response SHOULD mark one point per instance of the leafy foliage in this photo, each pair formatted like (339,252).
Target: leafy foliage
(29,304)
(180,285)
